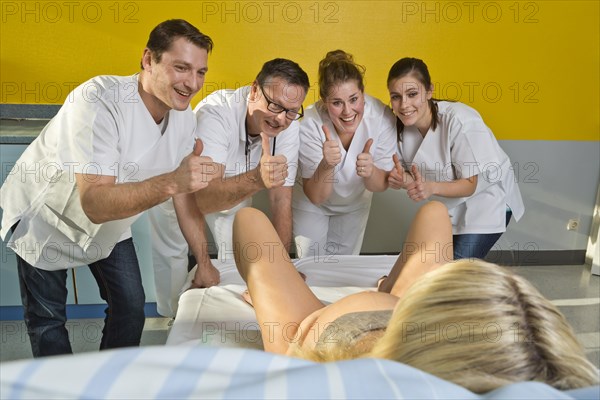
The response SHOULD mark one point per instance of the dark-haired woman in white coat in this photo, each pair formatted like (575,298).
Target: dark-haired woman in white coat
(446,152)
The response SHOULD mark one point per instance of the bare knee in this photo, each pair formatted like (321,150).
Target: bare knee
(434,209)
(248,215)
(248,212)
(436,206)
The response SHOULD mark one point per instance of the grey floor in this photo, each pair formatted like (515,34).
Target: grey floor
(572,288)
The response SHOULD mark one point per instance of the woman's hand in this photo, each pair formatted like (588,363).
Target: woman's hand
(398,178)
(332,155)
(419,189)
(364,161)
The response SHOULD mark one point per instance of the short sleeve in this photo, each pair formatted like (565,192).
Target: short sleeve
(287,144)
(213,129)
(311,143)
(472,146)
(90,132)
(387,143)
(190,138)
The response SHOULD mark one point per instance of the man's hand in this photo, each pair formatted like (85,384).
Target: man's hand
(273,170)
(206,276)
(195,171)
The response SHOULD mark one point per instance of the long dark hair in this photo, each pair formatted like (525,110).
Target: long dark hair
(418,69)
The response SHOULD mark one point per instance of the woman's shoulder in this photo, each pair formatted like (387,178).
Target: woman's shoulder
(315,111)
(375,104)
(450,110)
(377,110)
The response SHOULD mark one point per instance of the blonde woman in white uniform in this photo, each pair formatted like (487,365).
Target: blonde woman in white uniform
(447,153)
(347,142)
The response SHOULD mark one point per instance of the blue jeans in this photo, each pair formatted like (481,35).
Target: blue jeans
(476,245)
(44,296)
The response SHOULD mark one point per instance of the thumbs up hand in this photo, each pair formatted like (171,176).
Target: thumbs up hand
(273,170)
(398,178)
(419,189)
(195,171)
(364,161)
(198,147)
(332,155)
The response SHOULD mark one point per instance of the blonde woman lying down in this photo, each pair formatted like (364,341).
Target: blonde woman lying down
(469,322)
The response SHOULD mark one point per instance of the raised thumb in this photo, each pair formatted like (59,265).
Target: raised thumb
(198,147)
(265,144)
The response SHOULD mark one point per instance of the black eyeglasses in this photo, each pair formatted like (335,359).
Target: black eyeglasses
(278,109)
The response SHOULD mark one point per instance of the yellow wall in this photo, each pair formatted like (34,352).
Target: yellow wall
(530,67)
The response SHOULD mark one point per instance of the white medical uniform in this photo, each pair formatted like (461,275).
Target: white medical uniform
(103,128)
(221,124)
(460,147)
(338,225)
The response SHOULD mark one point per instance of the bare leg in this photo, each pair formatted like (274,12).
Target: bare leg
(280,296)
(427,246)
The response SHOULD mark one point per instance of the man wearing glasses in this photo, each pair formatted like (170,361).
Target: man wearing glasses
(252,135)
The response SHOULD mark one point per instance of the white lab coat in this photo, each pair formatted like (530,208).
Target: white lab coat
(337,226)
(221,124)
(103,128)
(463,146)
(222,128)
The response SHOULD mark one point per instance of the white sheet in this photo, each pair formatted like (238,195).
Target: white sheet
(177,372)
(218,316)
(183,372)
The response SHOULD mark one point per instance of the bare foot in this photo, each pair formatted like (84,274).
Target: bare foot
(380,281)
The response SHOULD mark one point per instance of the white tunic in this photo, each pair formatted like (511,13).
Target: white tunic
(463,146)
(221,120)
(349,192)
(337,226)
(103,128)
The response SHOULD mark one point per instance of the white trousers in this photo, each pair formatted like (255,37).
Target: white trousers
(169,257)
(221,227)
(318,234)
(170,250)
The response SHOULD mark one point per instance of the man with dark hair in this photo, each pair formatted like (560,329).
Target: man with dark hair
(252,135)
(162,37)
(118,146)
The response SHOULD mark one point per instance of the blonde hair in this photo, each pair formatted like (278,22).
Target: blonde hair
(480,326)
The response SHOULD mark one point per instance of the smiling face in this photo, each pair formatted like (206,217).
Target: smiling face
(346,106)
(280,92)
(410,102)
(173,82)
